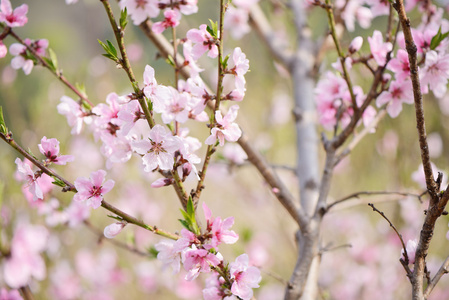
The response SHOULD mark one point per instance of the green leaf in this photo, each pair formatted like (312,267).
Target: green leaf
(58,181)
(112,48)
(213,29)
(123,19)
(437,39)
(54,59)
(50,64)
(224,62)
(190,207)
(111,52)
(116,218)
(170,61)
(31,153)
(153,252)
(184,223)
(3,128)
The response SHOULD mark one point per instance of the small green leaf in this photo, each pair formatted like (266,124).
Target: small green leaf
(224,63)
(53,59)
(213,29)
(190,207)
(111,52)
(153,252)
(112,48)
(50,64)
(123,18)
(184,223)
(3,128)
(116,218)
(170,61)
(31,153)
(437,39)
(58,181)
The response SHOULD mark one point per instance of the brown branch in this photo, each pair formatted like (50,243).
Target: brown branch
(26,293)
(444,269)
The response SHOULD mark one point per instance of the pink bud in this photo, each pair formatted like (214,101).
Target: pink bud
(3,50)
(112,230)
(356,44)
(162,182)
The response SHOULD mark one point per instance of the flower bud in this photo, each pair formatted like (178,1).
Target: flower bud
(112,230)
(356,44)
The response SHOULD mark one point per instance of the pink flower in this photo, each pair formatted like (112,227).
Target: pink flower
(400,65)
(129,114)
(188,59)
(379,49)
(93,189)
(25,260)
(157,150)
(186,7)
(200,261)
(234,153)
(219,229)
(74,114)
(172,104)
(11,295)
(19,61)
(140,10)
(245,277)
(50,148)
(203,42)
(161,182)
(435,73)
(112,230)
(77,212)
(187,239)
(107,121)
(31,179)
(213,289)
(13,18)
(241,66)
(398,93)
(225,127)
(172,18)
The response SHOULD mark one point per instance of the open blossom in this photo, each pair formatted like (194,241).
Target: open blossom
(50,148)
(186,7)
(129,114)
(203,42)
(379,49)
(435,73)
(158,149)
(245,277)
(93,189)
(112,230)
(25,261)
(219,228)
(400,65)
(20,61)
(31,179)
(225,127)
(13,18)
(172,18)
(398,93)
(236,21)
(172,105)
(198,261)
(168,254)
(241,66)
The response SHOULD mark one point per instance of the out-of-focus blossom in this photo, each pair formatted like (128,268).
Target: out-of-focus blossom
(400,65)
(356,44)
(236,22)
(355,11)
(169,255)
(435,73)
(10,295)
(50,148)
(25,261)
(20,61)
(92,190)
(112,230)
(140,10)
(245,277)
(13,18)
(241,67)
(76,213)
(186,7)
(225,127)
(66,284)
(28,175)
(171,19)
(3,50)
(234,153)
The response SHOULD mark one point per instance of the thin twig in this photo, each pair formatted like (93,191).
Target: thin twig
(26,293)
(444,269)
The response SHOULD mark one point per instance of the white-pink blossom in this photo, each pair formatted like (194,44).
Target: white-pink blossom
(236,22)
(245,277)
(168,254)
(218,229)
(20,61)
(74,114)
(50,148)
(198,261)
(28,175)
(92,190)
(411,250)
(3,50)
(10,295)
(225,127)
(398,93)
(13,18)
(202,42)
(400,65)
(241,67)
(157,149)
(140,10)
(435,73)
(356,44)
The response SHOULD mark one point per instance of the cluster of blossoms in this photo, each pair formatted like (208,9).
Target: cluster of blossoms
(334,100)
(198,253)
